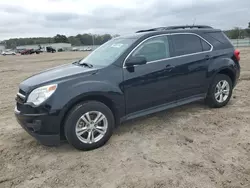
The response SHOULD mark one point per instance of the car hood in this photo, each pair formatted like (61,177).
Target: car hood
(55,74)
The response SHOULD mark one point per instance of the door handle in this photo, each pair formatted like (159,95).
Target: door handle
(169,67)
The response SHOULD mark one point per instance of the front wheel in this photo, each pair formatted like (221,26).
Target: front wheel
(220,91)
(89,125)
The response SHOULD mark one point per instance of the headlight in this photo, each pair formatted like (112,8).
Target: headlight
(39,95)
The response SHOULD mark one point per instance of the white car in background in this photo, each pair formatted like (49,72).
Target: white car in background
(8,52)
(88,49)
(75,49)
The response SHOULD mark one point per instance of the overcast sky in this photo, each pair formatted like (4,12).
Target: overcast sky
(33,18)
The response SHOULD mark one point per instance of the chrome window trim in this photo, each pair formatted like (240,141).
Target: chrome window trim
(21,95)
(211,49)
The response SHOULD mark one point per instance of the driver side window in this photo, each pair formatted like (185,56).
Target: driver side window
(154,49)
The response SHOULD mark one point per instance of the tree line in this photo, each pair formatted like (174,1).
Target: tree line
(238,33)
(90,39)
(80,39)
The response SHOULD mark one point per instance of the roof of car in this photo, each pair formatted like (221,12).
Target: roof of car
(171,29)
(132,36)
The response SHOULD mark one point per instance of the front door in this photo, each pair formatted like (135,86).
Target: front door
(147,86)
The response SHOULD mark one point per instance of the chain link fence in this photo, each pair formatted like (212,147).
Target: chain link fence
(241,42)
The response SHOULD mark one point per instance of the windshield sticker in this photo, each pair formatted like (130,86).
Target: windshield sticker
(117,45)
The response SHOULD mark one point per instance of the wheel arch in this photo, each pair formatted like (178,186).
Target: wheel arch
(226,70)
(92,97)
(230,73)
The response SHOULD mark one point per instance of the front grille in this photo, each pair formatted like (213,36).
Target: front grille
(20,98)
(22,92)
(19,106)
(26,109)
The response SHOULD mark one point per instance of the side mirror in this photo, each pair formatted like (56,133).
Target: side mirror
(138,60)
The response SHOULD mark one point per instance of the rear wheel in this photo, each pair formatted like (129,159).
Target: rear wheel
(220,91)
(89,125)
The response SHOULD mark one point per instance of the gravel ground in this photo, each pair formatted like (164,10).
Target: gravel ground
(190,146)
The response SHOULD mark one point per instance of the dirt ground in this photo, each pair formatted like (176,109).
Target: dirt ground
(191,146)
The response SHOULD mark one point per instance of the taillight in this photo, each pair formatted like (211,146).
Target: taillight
(237,54)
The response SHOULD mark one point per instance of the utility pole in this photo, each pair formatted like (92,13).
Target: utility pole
(93,41)
(194,21)
(238,38)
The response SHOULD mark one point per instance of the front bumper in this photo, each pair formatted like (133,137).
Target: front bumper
(43,127)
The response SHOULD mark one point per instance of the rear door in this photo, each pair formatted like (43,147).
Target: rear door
(192,57)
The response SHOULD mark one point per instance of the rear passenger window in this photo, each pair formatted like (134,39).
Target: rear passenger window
(205,45)
(186,44)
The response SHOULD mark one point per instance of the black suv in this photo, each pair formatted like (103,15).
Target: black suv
(127,77)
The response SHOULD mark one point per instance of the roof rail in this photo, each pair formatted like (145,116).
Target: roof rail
(176,27)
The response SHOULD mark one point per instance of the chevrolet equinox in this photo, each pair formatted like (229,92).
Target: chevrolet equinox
(125,78)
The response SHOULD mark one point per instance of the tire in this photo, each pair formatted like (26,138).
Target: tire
(73,122)
(211,98)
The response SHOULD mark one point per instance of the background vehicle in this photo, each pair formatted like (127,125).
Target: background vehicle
(128,77)
(19,50)
(75,49)
(60,50)
(38,51)
(88,49)
(50,49)
(27,52)
(8,52)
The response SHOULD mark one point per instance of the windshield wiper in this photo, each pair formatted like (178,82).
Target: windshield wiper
(84,64)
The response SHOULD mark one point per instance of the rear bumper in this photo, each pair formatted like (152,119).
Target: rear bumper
(42,127)
(237,74)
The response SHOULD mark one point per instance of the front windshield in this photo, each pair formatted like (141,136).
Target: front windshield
(108,52)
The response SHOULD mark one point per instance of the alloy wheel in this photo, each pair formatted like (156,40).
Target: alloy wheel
(222,91)
(91,127)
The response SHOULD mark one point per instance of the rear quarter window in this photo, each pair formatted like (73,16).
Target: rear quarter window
(218,39)
(219,36)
